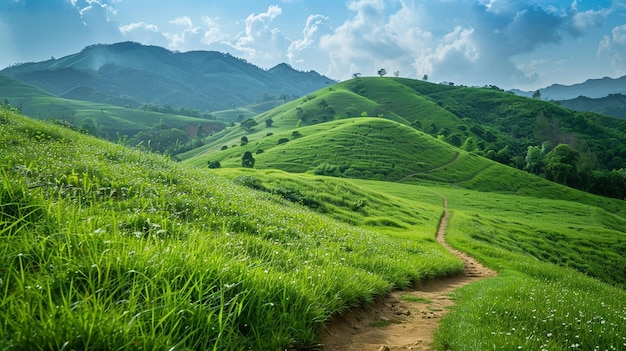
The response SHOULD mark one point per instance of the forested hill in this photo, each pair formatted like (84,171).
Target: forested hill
(135,74)
(611,105)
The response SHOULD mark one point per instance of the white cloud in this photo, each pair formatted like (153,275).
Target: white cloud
(126,29)
(212,31)
(613,47)
(581,22)
(376,37)
(310,37)
(87,8)
(260,42)
(455,51)
(177,40)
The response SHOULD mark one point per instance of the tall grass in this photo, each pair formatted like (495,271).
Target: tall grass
(103,247)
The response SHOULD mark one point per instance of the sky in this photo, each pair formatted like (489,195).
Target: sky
(525,44)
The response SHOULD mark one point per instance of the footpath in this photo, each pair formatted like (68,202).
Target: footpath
(407,319)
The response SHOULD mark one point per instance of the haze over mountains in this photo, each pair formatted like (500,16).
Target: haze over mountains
(131,74)
(591,88)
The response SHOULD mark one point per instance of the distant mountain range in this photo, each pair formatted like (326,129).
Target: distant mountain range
(130,74)
(611,105)
(605,96)
(591,88)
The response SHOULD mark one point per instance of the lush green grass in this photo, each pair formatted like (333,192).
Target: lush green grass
(107,121)
(486,121)
(370,148)
(105,247)
(109,248)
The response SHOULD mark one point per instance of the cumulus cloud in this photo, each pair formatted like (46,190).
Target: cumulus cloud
(260,42)
(212,31)
(372,39)
(131,27)
(87,8)
(581,22)
(310,37)
(179,39)
(613,47)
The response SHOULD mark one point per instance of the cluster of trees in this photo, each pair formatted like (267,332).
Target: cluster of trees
(564,165)
(183,111)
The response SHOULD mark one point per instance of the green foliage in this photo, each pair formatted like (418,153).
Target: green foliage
(248,124)
(125,249)
(247,160)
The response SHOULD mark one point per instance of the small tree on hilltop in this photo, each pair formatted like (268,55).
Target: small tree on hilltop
(247,160)
(382,72)
(356,75)
(537,94)
(396,73)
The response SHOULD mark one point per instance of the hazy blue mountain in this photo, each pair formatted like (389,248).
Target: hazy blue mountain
(592,88)
(129,73)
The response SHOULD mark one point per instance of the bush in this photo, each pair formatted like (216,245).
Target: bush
(214,164)
(282,140)
(250,181)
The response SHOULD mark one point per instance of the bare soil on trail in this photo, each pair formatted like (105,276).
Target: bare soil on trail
(406,319)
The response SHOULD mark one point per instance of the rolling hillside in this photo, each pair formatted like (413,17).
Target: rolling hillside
(102,120)
(483,121)
(105,246)
(131,74)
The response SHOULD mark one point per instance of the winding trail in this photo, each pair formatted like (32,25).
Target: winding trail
(407,319)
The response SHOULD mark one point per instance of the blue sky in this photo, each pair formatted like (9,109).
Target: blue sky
(524,44)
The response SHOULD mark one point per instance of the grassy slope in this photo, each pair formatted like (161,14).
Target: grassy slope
(495,119)
(108,119)
(541,298)
(108,248)
(377,148)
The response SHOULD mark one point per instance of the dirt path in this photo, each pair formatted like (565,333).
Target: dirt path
(404,320)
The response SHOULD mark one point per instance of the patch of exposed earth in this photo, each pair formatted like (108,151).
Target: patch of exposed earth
(407,319)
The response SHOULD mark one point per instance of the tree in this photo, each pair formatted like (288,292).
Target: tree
(561,164)
(244,140)
(268,122)
(248,124)
(382,72)
(356,75)
(247,160)
(425,77)
(396,73)
(534,159)
(537,94)
(214,164)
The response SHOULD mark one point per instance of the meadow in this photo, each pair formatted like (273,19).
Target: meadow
(105,247)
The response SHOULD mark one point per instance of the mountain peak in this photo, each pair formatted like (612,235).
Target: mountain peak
(203,80)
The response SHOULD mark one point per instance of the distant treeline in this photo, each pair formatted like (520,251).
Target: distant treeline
(183,111)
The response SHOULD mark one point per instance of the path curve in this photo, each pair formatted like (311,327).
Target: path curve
(407,319)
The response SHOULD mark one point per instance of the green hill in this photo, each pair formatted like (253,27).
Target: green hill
(105,246)
(611,105)
(104,120)
(485,121)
